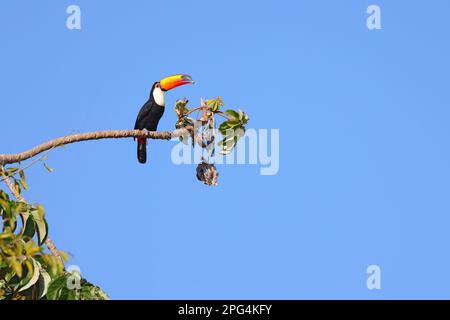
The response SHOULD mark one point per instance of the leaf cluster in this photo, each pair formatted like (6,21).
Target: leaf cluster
(71,286)
(232,129)
(26,271)
(182,113)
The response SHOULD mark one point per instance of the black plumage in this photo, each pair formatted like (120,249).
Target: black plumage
(148,118)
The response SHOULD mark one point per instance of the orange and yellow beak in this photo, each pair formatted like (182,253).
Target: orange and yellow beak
(175,81)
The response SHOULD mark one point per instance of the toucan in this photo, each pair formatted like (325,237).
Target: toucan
(153,109)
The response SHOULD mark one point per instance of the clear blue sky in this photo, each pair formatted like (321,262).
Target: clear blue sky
(364,153)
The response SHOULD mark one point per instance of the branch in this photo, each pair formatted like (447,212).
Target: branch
(110,134)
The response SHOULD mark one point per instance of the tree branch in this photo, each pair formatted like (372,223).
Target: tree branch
(109,134)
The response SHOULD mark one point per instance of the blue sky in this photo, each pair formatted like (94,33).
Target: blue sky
(364,145)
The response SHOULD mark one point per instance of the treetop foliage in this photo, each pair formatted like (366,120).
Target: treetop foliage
(26,271)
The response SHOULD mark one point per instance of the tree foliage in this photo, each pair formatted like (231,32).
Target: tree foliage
(26,271)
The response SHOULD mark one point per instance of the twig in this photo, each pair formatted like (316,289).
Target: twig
(194,109)
(30,164)
(109,134)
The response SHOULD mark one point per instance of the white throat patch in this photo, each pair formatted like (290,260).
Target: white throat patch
(158,96)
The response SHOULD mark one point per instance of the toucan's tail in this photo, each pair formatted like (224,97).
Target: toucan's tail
(142,150)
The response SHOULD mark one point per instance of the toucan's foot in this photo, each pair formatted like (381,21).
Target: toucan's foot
(145,131)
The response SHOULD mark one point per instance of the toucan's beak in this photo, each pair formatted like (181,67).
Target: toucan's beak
(175,81)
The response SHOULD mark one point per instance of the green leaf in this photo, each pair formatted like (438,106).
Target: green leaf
(17,186)
(41,224)
(232,113)
(11,170)
(245,118)
(4,204)
(224,126)
(22,180)
(72,294)
(34,276)
(64,293)
(56,287)
(91,292)
(9,276)
(47,167)
(42,231)
(28,223)
(233,123)
(86,293)
(17,267)
(6,235)
(44,282)
(41,212)
(217,104)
